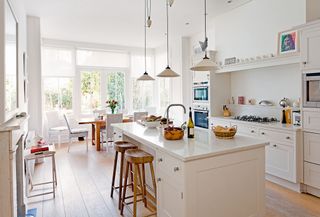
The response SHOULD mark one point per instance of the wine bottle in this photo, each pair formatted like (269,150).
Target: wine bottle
(190,125)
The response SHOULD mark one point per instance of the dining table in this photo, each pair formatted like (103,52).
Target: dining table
(97,125)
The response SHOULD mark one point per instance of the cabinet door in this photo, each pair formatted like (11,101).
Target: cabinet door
(312,147)
(280,161)
(311,121)
(310,49)
(246,129)
(170,197)
(312,175)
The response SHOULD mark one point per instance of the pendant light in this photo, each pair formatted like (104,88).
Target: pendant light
(145,76)
(168,72)
(206,64)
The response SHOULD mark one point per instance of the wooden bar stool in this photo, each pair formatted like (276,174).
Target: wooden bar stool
(122,147)
(135,158)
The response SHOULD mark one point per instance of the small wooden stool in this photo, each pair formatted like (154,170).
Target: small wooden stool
(134,158)
(122,147)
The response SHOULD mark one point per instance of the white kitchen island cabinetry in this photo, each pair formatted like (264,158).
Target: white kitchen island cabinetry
(204,176)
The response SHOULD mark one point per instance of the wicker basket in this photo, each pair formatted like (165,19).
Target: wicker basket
(225,135)
(173,134)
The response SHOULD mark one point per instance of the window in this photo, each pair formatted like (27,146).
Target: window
(142,92)
(57,93)
(90,91)
(58,72)
(115,88)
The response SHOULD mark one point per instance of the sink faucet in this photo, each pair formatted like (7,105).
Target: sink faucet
(174,105)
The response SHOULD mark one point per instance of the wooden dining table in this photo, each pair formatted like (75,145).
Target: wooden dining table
(96,126)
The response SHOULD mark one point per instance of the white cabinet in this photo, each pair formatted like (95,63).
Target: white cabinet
(246,129)
(312,147)
(310,49)
(280,161)
(312,175)
(170,184)
(170,196)
(311,121)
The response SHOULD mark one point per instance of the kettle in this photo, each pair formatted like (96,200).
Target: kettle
(284,102)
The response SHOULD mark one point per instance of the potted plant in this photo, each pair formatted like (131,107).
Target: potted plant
(112,104)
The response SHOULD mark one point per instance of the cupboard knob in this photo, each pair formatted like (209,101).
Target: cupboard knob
(304,63)
(275,145)
(158,179)
(288,137)
(175,169)
(160,160)
(262,133)
(252,131)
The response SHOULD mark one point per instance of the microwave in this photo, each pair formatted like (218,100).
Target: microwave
(201,93)
(311,90)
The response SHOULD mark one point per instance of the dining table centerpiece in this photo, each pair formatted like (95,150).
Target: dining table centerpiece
(112,104)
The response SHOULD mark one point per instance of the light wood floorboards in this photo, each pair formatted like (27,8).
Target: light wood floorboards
(84,189)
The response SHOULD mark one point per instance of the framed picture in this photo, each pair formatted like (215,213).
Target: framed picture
(288,42)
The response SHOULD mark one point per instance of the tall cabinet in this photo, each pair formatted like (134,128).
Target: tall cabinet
(310,62)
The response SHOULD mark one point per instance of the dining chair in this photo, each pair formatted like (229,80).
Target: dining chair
(55,125)
(75,132)
(109,133)
(139,116)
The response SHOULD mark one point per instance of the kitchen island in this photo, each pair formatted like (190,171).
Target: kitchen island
(204,176)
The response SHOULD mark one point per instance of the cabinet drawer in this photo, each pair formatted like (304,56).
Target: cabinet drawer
(312,175)
(280,161)
(246,129)
(217,121)
(169,165)
(277,136)
(311,147)
(311,121)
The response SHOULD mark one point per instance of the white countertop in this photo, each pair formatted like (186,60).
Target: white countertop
(204,145)
(274,125)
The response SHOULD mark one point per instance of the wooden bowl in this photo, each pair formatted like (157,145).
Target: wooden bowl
(228,133)
(173,133)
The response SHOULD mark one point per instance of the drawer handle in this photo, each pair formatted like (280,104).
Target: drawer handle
(275,145)
(288,137)
(252,131)
(158,179)
(263,133)
(176,169)
(160,160)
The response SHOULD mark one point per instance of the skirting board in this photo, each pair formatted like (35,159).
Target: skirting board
(284,183)
(310,190)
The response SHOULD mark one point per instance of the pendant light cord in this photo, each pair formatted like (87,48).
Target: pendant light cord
(145,35)
(205,26)
(148,6)
(167,7)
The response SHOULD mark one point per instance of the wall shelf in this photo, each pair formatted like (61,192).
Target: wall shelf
(263,63)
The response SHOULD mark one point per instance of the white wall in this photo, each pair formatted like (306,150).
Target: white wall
(19,10)
(34,75)
(253,29)
(272,83)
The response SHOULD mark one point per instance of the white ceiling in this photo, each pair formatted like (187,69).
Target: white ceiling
(120,22)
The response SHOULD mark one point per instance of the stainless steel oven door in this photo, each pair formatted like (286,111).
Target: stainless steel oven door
(201,118)
(311,90)
(201,94)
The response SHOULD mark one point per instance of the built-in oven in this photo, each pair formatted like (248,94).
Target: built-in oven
(311,90)
(201,93)
(201,117)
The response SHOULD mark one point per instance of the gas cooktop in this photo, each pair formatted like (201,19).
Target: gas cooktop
(252,118)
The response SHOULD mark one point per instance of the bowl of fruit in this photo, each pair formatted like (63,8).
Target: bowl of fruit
(224,132)
(173,133)
(152,121)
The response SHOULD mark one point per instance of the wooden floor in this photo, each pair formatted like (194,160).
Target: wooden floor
(84,189)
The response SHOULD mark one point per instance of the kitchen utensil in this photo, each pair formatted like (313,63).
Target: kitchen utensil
(284,102)
(266,103)
(226,112)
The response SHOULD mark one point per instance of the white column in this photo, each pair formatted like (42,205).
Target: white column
(34,73)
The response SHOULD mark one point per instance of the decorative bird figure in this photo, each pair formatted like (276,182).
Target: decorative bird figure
(204,44)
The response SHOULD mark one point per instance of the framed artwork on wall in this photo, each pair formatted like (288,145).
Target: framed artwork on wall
(288,42)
